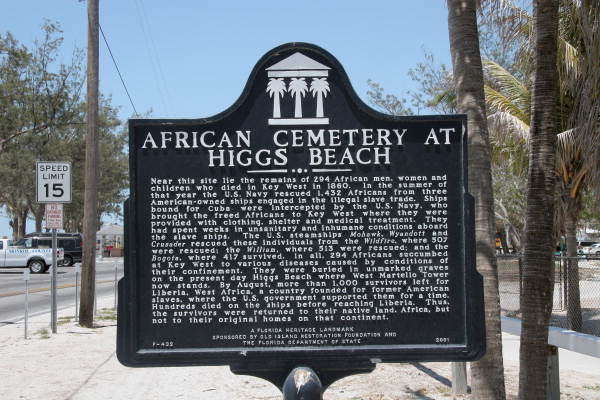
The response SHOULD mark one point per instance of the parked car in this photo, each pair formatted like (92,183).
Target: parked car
(38,260)
(585,243)
(70,242)
(593,250)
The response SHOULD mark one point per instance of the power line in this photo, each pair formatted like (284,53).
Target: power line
(155,52)
(153,57)
(118,71)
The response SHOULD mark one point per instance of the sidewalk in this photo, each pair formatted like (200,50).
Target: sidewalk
(80,364)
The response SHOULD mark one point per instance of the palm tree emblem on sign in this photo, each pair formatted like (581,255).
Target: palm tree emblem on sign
(276,89)
(298,68)
(298,89)
(319,87)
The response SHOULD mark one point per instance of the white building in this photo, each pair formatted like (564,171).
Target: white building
(109,237)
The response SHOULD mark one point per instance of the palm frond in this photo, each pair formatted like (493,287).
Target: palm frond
(508,85)
(517,22)
(563,171)
(498,102)
(568,61)
(519,30)
(567,143)
(505,126)
(448,96)
(586,113)
(573,167)
(579,182)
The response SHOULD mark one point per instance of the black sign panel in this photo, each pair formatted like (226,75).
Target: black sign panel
(299,225)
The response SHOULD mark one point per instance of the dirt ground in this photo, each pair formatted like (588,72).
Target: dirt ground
(80,364)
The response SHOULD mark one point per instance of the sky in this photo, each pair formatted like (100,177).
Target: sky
(191,59)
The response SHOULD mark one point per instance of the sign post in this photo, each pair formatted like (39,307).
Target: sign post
(77,272)
(53,187)
(116,284)
(54,216)
(54,221)
(26,276)
(299,228)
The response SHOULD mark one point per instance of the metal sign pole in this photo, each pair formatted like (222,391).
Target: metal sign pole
(302,384)
(53,187)
(95,300)
(116,266)
(26,279)
(53,283)
(77,269)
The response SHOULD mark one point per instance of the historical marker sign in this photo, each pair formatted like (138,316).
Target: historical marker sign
(299,225)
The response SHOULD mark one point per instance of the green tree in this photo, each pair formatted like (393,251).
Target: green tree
(508,102)
(436,87)
(509,202)
(37,93)
(17,174)
(385,102)
(435,91)
(113,177)
(15,189)
(43,119)
(590,213)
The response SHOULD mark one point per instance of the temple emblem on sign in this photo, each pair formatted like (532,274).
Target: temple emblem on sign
(298,76)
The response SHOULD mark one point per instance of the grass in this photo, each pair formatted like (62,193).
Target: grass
(107,314)
(595,387)
(44,333)
(420,392)
(64,320)
(445,391)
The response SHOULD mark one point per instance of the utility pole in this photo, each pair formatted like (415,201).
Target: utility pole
(90,207)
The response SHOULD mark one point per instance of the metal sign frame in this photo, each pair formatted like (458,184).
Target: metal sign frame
(265,362)
(66,196)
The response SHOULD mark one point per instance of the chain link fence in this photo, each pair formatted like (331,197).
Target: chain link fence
(576,302)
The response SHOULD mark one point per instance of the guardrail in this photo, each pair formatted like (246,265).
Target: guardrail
(558,338)
(564,338)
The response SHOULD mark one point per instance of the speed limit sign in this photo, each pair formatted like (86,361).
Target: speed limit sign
(53,181)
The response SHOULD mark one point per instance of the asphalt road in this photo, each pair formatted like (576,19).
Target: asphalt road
(12,288)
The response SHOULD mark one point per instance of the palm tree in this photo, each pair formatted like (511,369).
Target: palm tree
(487,374)
(319,87)
(510,122)
(298,88)
(276,89)
(579,101)
(508,101)
(580,26)
(538,282)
